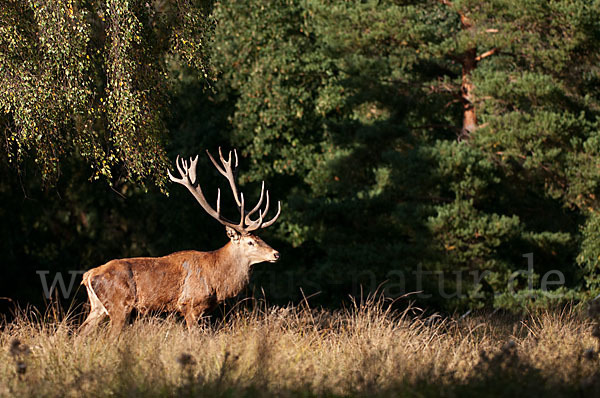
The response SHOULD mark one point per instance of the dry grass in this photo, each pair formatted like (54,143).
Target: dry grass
(363,351)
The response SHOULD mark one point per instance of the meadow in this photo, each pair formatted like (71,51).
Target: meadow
(257,350)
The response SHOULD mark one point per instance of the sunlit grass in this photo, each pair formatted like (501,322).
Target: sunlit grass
(365,350)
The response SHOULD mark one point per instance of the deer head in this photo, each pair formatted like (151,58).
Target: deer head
(241,234)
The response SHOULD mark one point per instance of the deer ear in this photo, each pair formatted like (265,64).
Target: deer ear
(232,234)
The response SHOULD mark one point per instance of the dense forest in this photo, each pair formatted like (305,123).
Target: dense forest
(449,149)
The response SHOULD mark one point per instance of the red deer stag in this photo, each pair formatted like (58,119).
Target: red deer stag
(188,282)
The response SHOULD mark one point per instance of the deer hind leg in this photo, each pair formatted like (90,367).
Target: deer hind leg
(91,322)
(117,294)
(118,319)
(97,311)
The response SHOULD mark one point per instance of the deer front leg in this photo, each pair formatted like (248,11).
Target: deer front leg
(192,314)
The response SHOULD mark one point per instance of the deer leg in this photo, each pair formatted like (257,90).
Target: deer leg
(91,322)
(97,311)
(119,311)
(190,320)
(192,315)
(118,320)
(117,297)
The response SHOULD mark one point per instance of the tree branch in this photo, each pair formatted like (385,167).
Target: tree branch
(487,54)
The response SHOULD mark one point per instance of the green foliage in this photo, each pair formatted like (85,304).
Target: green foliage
(351,111)
(589,256)
(89,79)
(351,108)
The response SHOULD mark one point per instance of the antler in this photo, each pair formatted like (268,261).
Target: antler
(187,171)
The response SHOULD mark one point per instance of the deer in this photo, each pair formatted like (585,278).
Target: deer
(189,282)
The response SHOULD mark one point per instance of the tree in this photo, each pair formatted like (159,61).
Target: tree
(90,79)
(431,144)
(440,133)
(86,89)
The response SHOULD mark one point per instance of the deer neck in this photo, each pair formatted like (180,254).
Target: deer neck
(234,270)
(234,258)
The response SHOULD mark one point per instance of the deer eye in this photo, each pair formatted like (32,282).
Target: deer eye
(250,243)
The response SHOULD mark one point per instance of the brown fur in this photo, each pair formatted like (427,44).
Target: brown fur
(188,282)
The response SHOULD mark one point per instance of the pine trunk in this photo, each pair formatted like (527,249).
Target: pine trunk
(469,63)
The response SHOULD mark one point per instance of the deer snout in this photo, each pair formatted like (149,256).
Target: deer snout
(276,256)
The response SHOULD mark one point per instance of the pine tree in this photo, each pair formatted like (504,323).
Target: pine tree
(458,135)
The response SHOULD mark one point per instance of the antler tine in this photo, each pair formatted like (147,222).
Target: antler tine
(214,162)
(267,205)
(271,221)
(219,202)
(228,173)
(222,158)
(226,163)
(181,171)
(171,176)
(185,167)
(242,218)
(192,169)
(262,192)
(254,225)
(187,172)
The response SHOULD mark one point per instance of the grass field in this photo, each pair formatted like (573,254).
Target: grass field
(365,350)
